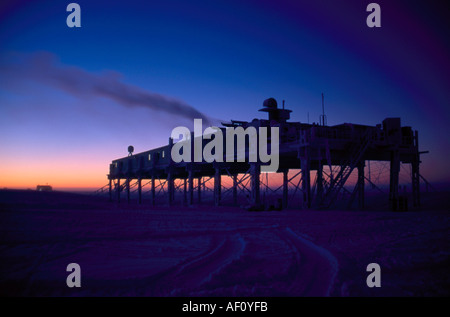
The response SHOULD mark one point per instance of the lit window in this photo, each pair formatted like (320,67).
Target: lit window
(149,157)
(162,154)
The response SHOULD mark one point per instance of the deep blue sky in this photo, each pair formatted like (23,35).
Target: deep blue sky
(223,58)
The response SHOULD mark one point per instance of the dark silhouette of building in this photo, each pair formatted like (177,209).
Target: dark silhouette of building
(310,147)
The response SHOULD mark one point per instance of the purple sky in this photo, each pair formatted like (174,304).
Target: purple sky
(71,100)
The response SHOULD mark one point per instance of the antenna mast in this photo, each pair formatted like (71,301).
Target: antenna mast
(323,117)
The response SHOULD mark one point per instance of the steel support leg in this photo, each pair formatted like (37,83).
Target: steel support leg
(255,171)
(217,187)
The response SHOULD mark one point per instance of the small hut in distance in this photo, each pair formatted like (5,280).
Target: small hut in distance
(44,188)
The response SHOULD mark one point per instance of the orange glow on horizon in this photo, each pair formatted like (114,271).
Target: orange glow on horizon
(66,174)
(75,172)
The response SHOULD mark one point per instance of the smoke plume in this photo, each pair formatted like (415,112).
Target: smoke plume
(45,67)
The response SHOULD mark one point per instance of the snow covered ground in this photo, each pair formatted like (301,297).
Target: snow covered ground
(131,250)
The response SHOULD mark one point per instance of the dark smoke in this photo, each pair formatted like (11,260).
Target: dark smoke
(44,67)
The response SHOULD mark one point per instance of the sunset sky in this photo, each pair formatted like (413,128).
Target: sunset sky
(73,99)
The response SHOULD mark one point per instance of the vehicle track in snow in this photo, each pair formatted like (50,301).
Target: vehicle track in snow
(189,275)
(315,268)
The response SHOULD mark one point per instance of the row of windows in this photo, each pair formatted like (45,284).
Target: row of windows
(163,154)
